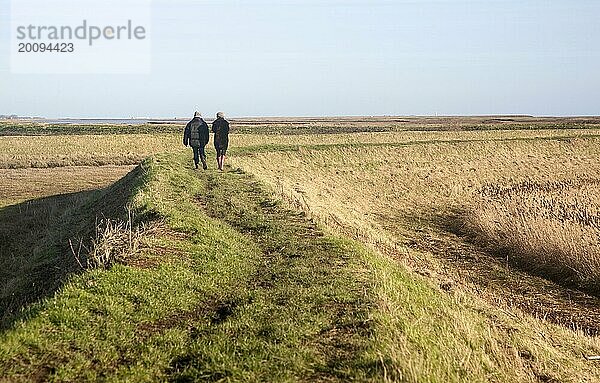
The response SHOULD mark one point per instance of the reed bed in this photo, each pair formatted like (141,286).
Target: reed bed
(550,228)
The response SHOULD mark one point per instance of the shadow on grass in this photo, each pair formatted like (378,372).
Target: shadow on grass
(41,240)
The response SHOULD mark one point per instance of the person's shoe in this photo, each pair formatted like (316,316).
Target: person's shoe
(204,166)
(196,166)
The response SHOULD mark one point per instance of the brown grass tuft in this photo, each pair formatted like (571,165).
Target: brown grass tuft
(115,241)
(550,228)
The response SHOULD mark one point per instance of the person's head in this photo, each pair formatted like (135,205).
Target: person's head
(197,115)
(220,115)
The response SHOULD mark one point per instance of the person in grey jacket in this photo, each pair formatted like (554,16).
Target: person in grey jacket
(197,136)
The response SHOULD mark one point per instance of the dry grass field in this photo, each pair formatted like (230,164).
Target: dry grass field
(508,187)
(45,165)
(489,265)
(551,228)
(20,185)
(397,138)
(409,178)
(503,220)
(82,150)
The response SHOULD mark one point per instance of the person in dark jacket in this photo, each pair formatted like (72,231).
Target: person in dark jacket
(197,136)
(221,130)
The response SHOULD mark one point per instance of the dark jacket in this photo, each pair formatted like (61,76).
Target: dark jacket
(196,133)
(221,130)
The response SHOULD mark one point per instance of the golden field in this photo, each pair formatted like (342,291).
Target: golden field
(81,150)
(488,238)
(425,200)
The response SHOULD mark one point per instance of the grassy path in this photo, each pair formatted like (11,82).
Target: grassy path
(304,312)
(234,288)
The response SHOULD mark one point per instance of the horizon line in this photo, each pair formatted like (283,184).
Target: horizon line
(18,117)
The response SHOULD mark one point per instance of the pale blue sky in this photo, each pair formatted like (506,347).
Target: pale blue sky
(270,58)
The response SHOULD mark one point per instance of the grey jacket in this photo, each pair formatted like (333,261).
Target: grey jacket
(196,133)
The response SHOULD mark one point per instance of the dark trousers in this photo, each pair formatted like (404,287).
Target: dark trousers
(199,154)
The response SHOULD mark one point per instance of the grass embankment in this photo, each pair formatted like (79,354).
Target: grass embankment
(385,192)
(256,293)
(233,287)
(35,236)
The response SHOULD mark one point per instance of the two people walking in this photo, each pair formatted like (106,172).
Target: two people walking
(197,136)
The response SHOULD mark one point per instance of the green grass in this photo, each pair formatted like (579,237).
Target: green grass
(246,290)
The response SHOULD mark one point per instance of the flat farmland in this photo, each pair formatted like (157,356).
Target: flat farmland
(19,185)
(51,151)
